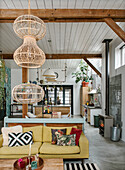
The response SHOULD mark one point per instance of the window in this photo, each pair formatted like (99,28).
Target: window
(67,96)
(120,56)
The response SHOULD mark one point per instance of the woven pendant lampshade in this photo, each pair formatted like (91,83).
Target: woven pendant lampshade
(29,25)
(29,55)
(30,28)
(27,93)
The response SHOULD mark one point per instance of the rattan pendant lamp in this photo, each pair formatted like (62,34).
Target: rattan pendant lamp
(27,93)
(29,55)
(30,28)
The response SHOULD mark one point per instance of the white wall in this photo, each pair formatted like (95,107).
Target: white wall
(118,71)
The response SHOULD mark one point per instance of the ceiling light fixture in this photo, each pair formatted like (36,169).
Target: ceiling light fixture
(27,93)
(49,73)
(30,28)
(29,55)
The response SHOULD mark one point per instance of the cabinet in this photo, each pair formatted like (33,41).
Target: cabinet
(83,99)
(65,110)
(105,122)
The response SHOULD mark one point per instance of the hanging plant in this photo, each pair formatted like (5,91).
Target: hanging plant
(2,78)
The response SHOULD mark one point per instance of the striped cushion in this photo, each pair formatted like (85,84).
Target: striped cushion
(80,166)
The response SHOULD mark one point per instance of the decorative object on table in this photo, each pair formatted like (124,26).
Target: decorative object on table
(27,93)
(77,166)
(6,130)
(56,132)
(54,115)
(46,115)
(20,139)
(40,163)
(21,163)
(66,140)
(78,134)
(33,165)
(31,115)
(82,75)
(59,114)
(30,28)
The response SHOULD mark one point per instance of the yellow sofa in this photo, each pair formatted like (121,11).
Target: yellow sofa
(42,145)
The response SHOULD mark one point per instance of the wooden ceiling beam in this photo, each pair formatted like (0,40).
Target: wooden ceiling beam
(65,15)
(115,28)
(91,65)
(68,20)
(62,56)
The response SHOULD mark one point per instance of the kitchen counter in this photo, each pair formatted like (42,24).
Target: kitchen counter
(70,121)
(64,109)
(91,107)
(60,105)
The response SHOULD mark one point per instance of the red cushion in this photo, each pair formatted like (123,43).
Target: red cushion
(78,134)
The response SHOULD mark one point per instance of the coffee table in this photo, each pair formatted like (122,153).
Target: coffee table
(49,164)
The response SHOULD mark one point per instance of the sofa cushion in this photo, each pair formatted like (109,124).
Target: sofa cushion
(37,132)
(7,130)
(20,150)
(20,139)
(48,148)
(47,136)
(78,134)
(54,132)
(66,140)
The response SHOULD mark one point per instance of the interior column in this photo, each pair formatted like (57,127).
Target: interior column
(107,41)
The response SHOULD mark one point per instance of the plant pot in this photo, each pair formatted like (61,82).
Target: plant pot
(85,84)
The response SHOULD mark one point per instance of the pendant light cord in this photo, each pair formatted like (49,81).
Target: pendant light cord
(27,75)
(29,7)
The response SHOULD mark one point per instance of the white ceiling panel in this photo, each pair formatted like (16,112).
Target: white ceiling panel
(62,37)
(81,4)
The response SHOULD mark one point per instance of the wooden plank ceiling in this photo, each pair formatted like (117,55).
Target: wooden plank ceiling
(63,38)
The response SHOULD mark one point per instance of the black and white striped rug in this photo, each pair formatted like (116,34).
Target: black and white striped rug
(80,166)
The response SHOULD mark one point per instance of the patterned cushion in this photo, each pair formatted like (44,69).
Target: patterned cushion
(66,140)
(58,132)
(78,134)
(20,139)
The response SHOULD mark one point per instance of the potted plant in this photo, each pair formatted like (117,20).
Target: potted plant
(82,75)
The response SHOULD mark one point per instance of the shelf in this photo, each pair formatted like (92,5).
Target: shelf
(20,111)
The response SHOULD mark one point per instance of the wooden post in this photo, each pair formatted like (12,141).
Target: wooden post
(24,80)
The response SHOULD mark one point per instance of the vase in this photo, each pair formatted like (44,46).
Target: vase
(85,84)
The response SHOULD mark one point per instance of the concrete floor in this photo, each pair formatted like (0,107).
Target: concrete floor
(108,155)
